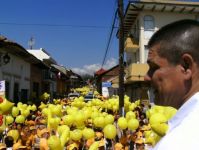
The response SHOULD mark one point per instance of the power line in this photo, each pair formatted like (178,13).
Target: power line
(51,25)
(110,37)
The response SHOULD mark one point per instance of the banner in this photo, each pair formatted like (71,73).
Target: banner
(2,88)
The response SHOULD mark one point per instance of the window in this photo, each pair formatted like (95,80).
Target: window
(24,95)
(149,26)
(35,90)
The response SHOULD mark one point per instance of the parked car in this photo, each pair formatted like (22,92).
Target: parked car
(89,97)
(73,95)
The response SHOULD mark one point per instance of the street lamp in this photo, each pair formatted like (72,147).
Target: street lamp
(4,59)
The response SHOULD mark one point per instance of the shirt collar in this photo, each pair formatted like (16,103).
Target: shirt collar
(184,110)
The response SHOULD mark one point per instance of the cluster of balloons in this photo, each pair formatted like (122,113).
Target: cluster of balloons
(70,121)
(79,114)
(45,96)
(85,90)
(20,113)
(158,117)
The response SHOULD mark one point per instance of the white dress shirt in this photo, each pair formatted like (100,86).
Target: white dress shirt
(183,133)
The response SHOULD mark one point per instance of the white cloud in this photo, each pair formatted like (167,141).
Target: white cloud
(91,69)
(110,63)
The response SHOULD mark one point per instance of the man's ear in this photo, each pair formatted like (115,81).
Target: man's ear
(187,63)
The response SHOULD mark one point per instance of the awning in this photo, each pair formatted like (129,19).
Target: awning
(136,72)
(130,45)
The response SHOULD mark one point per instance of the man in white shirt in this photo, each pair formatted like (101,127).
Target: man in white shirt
(174,74)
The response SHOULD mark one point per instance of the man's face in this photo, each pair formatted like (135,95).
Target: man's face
(166,79)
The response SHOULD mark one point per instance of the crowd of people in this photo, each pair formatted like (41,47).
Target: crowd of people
(34,134)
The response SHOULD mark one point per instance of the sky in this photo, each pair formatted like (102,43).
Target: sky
(74,32)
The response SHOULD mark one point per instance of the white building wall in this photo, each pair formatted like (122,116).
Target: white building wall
(161,19)
(17,70)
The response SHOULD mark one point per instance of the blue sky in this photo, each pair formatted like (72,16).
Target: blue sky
(74,32)
(80,43)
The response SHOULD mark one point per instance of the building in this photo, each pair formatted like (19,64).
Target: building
(15,69)
(49,76)
(107,79)
(141,20)
(57,80)
(62,80)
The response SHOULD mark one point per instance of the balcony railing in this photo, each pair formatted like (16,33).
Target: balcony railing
(136,72)
(130,45)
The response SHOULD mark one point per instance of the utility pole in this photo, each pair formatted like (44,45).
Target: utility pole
(121,57)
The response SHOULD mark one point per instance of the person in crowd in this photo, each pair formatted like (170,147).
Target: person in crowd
(9,141)
(173,61)
(2,146)
(23,141)
(45,134)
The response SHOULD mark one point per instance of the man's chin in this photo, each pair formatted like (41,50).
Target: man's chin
(158,100)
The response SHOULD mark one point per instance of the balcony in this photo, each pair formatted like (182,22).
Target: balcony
(130,45)
(136,72)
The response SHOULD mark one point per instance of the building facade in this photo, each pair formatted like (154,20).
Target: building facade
(142,19)
(16,70)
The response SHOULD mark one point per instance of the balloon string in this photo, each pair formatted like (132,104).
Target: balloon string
(84,144)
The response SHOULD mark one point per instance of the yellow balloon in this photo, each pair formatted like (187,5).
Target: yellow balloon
(54,143)
(157,118)
(25,112)
(33,107)
(68,120)
(79,118)
(109,119)
(160,128)
(76,134)
(57,110)
(45,111)
(15,111)
(94,146)
(64,138)
(133,124)
(5,106)
(42,106)
(110,131)
(88,133)
(14,134)
(20,119)
(130,115)
(122,123)
(99,122)
(9,120)
(53,124)
(62,128)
